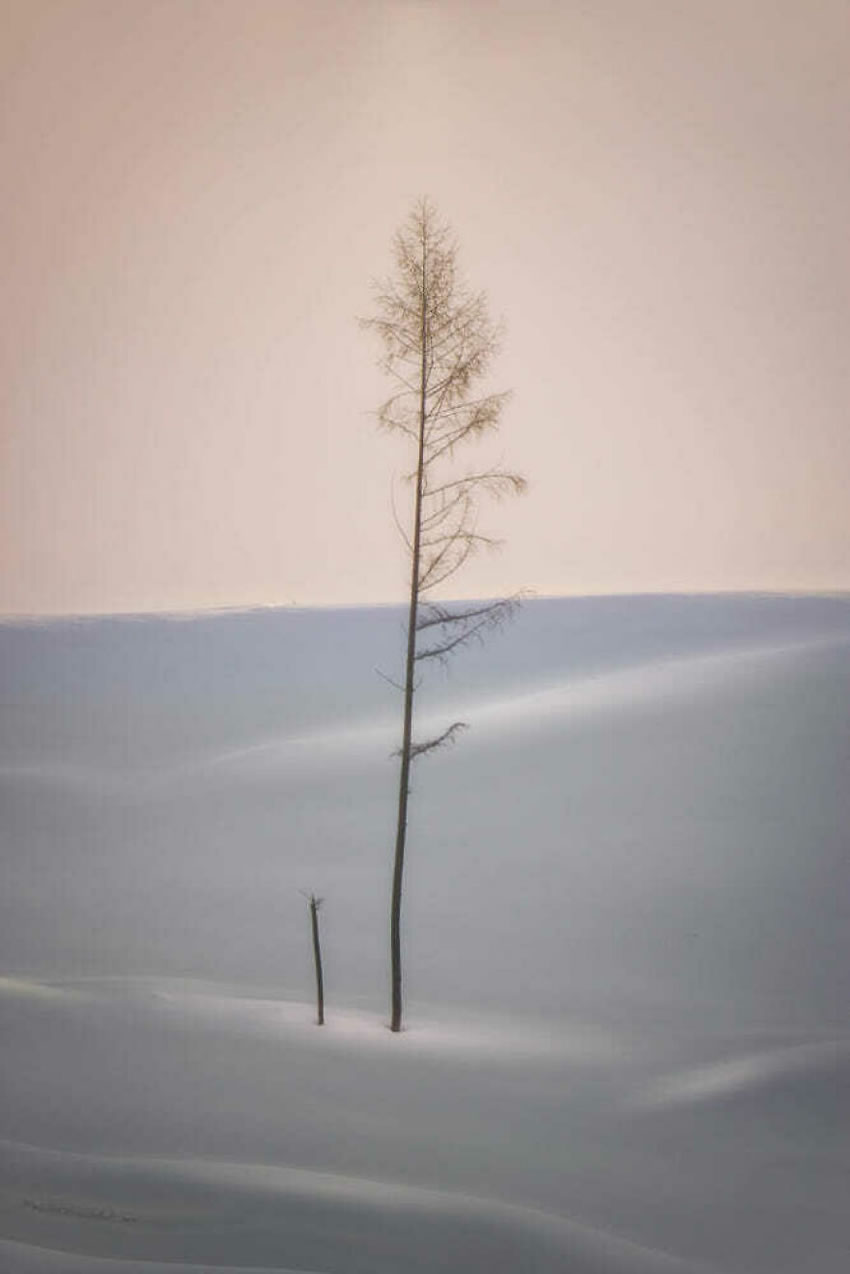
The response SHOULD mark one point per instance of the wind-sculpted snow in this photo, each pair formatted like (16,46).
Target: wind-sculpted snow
(23,1258)
(215,1129)
(628,958)
(749,1073)
(466,1035)
(563,705)
(162,1208)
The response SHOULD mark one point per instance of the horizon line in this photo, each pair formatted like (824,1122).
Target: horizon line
(210,612)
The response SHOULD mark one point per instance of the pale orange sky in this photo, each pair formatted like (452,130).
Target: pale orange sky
(655,195)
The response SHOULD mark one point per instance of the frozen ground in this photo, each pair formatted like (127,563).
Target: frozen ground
(627,945)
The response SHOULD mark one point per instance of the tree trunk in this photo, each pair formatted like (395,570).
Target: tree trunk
(317,956)
(410,665)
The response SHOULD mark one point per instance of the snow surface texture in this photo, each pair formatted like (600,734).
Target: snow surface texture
(626,945)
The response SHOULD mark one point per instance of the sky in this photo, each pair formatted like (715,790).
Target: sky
(200,193)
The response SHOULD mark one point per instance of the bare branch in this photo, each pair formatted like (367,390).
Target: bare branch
(395,684)
(447,647)
(442,740)
(482,417)
(405,537)
(438,614)
(496,481)
(461,627)
(455,551)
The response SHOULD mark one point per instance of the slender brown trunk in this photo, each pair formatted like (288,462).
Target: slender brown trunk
(410,663)
(317,956)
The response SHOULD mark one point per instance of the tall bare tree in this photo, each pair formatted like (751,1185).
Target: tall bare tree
(438,342)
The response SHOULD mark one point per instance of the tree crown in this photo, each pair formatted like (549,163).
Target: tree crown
(438,342)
